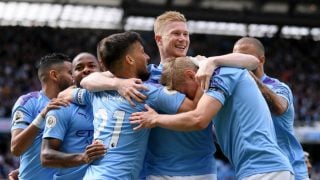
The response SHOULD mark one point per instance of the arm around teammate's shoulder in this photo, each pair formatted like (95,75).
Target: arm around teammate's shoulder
(193,120)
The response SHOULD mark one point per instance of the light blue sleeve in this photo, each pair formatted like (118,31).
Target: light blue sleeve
(81,96)
(284,91)
(165,101)
(22,114)
(223,82)
(56,123)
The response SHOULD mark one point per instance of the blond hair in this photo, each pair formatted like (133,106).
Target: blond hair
(173,71)
(166,18)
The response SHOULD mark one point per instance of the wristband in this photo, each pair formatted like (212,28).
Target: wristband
(38,121)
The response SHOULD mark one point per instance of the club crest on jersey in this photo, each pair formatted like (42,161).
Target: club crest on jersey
(18,116)
(51,121)
(169,92)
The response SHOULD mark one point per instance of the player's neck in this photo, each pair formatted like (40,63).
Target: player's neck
(125,74)
(51,91)
(164,58)
(259,73)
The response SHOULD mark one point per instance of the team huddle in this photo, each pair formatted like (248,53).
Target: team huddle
(116,117)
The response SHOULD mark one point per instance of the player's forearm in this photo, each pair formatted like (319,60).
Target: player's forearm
(22,139)
(57,159)
(236,60)
(99,81)
(187,121)
(277,104)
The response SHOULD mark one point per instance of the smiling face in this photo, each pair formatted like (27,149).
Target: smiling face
(82,66)
(174,40)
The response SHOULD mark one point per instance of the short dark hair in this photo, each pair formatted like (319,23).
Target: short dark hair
(46,62)
(112,48)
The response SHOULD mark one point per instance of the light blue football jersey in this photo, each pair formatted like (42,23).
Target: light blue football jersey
(24,111)
(73,126)
(284,128)
(126,148)
(174,153)
(244,127)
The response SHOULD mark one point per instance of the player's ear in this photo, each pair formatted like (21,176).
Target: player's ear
(129,59)
(190,74)
(53,74)
(262,59)
(158,39)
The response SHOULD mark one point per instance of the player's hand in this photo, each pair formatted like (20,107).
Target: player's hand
(13,175)
(205,71)
(144,119)
(259,83)
(129,89)
(67,93)
(94,151)
(55,103)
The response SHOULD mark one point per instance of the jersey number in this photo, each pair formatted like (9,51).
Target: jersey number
(103,115)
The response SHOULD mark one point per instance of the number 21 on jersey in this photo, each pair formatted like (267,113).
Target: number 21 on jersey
(101,116)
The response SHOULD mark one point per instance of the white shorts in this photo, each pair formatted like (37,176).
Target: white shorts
(279,175)
(198,177)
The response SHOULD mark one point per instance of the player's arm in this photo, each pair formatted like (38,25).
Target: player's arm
(208,65)
(247,61)
(22,139)
(51,156)
(277,104)
(196,119)
(77,96)
(127,88)
(188,104)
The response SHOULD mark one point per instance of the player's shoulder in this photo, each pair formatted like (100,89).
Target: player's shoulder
(27,98)
(64,112)
(228,70)
(152,86)
(275,82)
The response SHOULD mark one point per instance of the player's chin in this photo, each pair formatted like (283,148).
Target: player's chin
(180,53)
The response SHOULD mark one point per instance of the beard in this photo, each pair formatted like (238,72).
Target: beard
(64,84)
(144,75)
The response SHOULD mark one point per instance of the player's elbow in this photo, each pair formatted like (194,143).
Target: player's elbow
(15,150)
(254,64)
(279,111)
(200,122)
(45,158)
(84,84)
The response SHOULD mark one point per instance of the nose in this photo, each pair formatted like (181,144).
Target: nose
(87,70)
(182,37)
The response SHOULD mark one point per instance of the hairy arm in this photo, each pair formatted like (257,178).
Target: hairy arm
(196,119)
(277,104)
(127,88)
(51,156)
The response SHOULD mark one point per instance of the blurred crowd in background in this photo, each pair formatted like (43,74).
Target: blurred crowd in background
(296,62)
